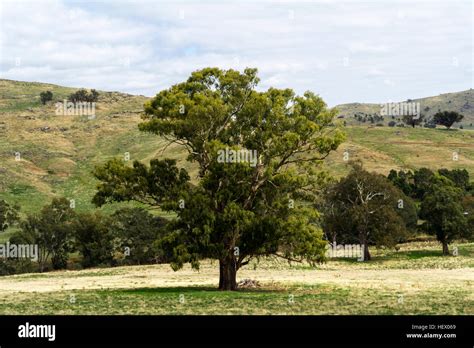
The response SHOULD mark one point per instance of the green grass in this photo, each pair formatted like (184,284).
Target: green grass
(414,280)
(277,300)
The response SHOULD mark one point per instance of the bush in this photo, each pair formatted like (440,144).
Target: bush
(392,124)
(137,231)
(46,97)
(83,96)
(8,215)
(93,238)
(16,266)
(50,230)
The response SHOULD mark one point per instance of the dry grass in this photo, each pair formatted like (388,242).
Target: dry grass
(383,286)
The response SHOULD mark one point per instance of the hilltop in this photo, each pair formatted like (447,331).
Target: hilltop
(462,102)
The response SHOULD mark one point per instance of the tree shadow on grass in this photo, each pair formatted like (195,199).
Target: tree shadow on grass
(395,255)
(418,254)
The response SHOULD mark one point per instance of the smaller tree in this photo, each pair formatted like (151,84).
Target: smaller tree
(138,232)
(444,214)
(82,95)
(94,96)
(460,177)
(46,97)
(413,120)
(367,208)
(8,215)
(422,182)
(403,180)
(447,118)
(50,230)
(94,239)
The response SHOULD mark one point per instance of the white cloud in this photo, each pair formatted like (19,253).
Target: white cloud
(144,46)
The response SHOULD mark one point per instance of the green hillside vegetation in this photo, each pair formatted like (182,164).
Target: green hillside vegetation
(58,153)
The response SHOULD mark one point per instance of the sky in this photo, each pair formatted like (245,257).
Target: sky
(345,51)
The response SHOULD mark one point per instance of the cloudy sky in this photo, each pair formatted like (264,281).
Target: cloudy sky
(346,51)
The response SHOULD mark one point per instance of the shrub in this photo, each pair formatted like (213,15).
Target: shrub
(93,238)
(16,266)
(137,231)
(83,96)
(46,97)
(50,230)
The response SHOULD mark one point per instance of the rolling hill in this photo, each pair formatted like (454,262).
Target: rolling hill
(462,102)
(58,153)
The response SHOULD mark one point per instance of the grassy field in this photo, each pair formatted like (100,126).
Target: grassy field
(414,280)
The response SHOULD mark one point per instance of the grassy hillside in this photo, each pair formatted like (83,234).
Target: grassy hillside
(58,153)
(462,102)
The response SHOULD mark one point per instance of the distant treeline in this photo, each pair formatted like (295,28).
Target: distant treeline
(363,207)
(80,95)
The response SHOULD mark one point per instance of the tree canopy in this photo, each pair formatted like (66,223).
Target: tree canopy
(447,118)
(443,212)
(367,208)
(237,211)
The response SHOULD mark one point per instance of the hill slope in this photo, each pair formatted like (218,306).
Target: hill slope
(462,102)
(58,153)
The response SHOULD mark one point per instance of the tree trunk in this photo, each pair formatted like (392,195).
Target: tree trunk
(227,274)
(367,256)
(363,241)
(445,248)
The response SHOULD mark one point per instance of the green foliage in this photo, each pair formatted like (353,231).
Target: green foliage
(444,214)
(237,211)
(51,231)
(447,118)
(83,96)
(422,182)
(94,239)
(8,215)
(413,120)
(46,97)
(366,208)
(418,183)
(402,180)
(139,231)
(159,183)
(460,177)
